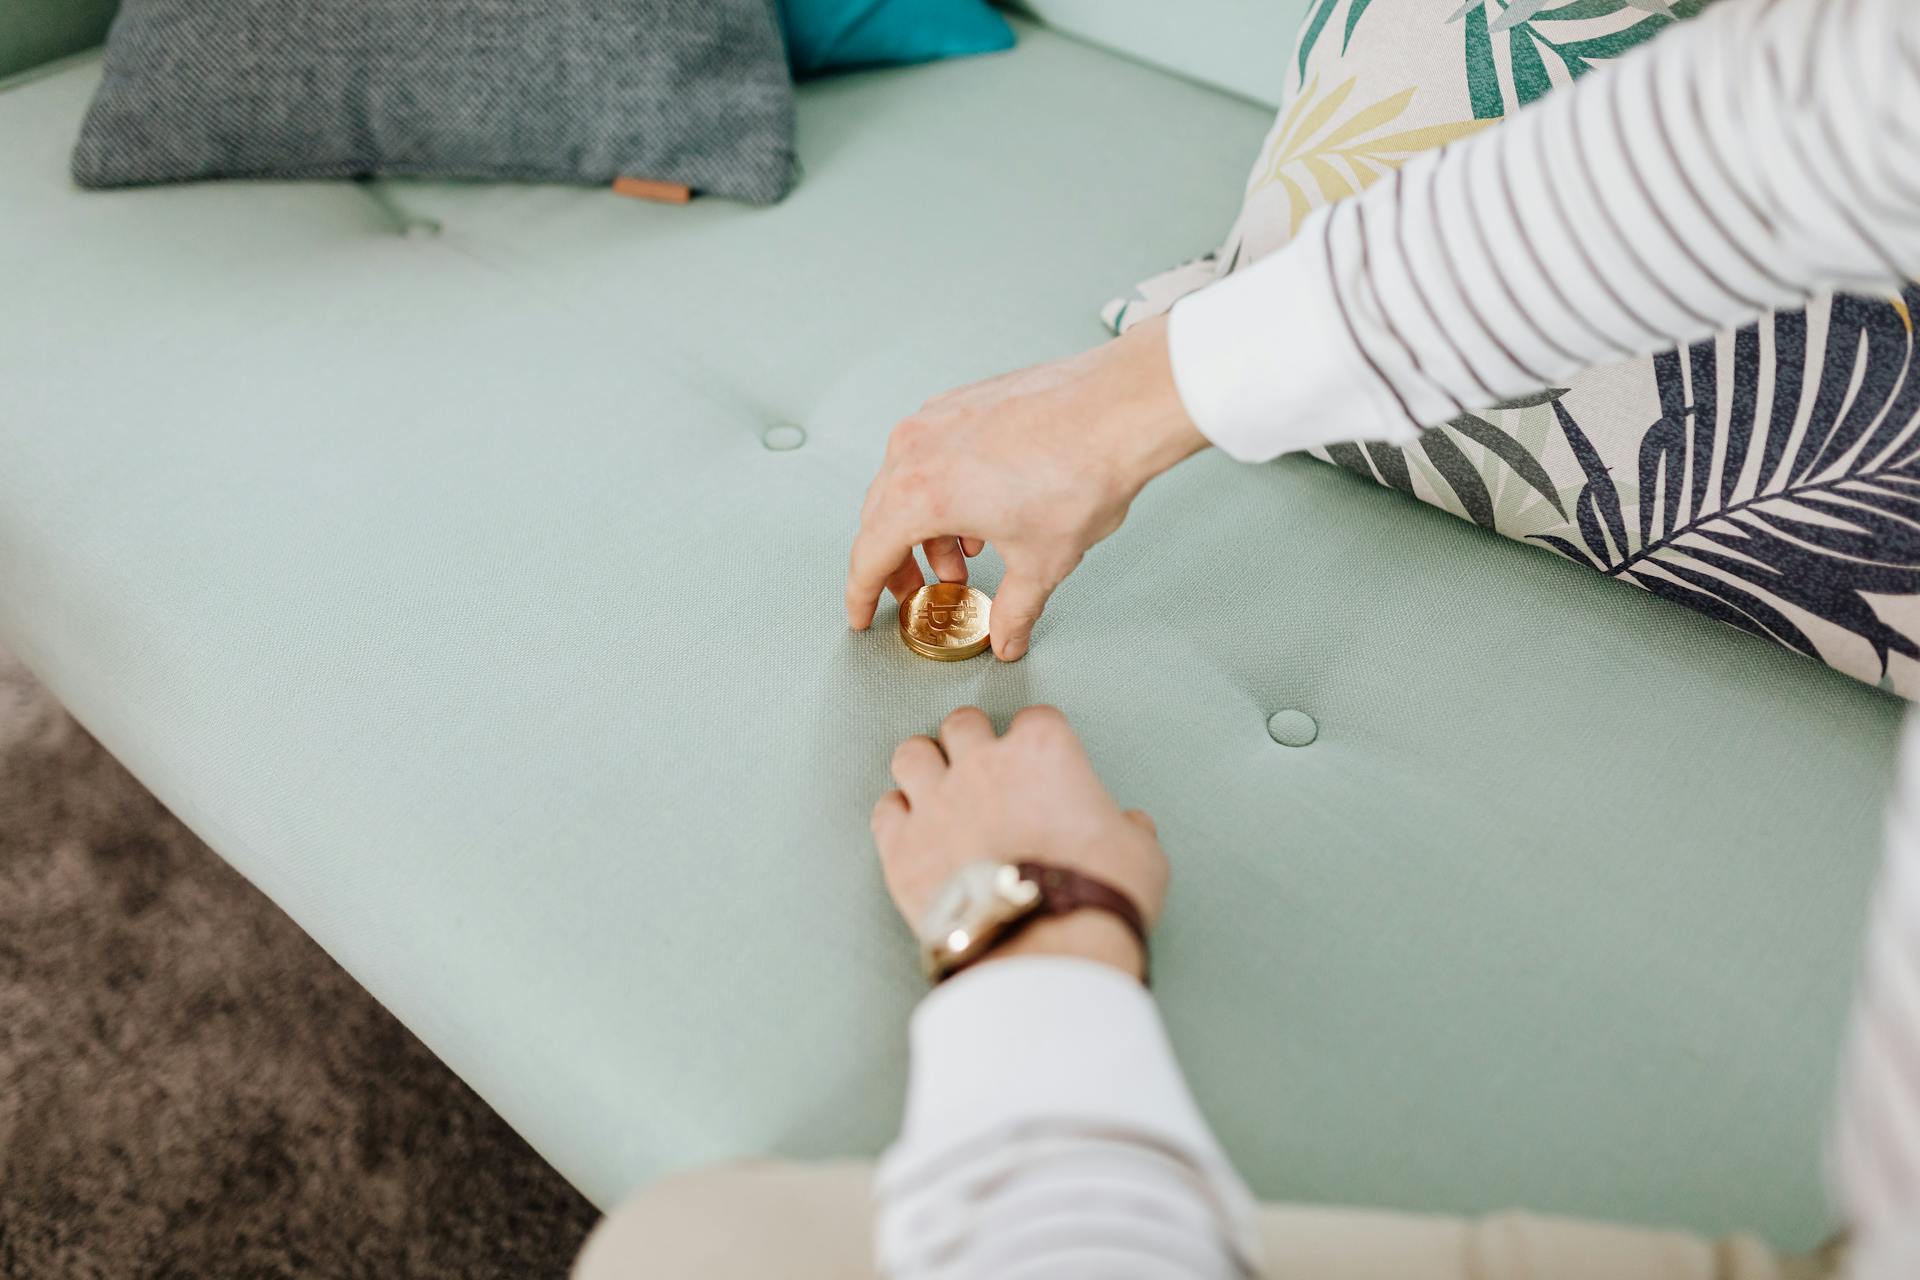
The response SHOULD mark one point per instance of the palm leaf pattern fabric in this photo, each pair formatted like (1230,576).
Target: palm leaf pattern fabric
(1785,517)
(1317,147)
(1546,46)
(1768,477)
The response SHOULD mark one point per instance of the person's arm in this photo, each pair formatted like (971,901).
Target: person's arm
(1742,161)
(1745,159)
(1048,1132)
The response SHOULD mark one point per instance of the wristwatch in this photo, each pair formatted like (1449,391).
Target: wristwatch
(987,902)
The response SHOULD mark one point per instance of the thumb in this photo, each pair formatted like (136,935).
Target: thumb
(1143,820)
(1016,607)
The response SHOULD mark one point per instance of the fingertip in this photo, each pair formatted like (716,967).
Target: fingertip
(1039,713)
(916,763)
(963,730)
(905,580)
(1009,637)
(1016,608)
(945,559)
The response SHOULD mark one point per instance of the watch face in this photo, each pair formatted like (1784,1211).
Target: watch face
(980,897)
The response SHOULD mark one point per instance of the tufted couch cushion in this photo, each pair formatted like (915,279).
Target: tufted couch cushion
(442,554)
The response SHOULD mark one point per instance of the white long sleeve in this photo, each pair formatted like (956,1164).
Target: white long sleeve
(1050,1134)
(1741,161)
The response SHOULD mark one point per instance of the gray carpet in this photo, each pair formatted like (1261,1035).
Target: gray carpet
(189,1087)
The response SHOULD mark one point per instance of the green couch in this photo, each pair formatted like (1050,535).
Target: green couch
(441,554)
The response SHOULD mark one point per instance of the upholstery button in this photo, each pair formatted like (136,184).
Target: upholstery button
(783,437)
(1292,728)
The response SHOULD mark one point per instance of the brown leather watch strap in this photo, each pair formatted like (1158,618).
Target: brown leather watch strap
(1057,891)
(1064,890)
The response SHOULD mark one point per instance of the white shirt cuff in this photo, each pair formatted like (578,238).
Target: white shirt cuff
(1266,362)
(1043,1038)
(1042,1050)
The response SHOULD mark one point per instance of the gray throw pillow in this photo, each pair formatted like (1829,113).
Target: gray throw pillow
(688,92)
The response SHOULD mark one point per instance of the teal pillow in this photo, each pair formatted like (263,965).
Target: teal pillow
(826,35)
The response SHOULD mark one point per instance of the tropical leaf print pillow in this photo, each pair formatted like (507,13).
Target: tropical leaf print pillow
(1768,477)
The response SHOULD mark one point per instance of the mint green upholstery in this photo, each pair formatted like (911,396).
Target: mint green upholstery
(33,32)
(1242,46)
(418,544)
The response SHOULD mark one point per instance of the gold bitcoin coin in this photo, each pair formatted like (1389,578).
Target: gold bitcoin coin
(946,621)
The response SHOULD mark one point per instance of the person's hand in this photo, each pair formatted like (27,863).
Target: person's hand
(1042,463)
(1030,796)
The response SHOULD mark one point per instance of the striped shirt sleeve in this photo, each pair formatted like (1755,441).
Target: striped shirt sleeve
(1049,1133)
(1742,161)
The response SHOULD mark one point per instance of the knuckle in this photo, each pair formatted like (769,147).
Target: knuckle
(1039,719)
(963,716)
(910,483)
(909,433)
(919,747)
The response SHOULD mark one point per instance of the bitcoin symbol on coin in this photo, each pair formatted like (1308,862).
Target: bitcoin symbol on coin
(946,621)
(948,617)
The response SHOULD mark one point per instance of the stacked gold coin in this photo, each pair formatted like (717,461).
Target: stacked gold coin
(946,621)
